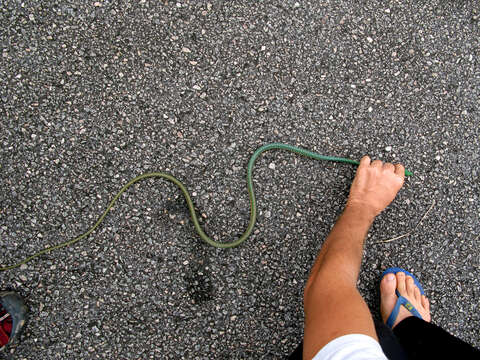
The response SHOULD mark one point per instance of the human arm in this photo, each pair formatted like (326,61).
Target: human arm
(333,306)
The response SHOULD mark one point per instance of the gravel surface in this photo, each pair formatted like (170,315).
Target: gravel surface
(95,93)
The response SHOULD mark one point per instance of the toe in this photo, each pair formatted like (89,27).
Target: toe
(401,286)
(416,294)
(425,303)
(387,295)
(410,285)
(388,285)
(426,309)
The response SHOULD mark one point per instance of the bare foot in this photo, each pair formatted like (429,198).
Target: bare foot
(407,288)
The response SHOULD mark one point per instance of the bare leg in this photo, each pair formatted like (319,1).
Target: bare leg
(333,305)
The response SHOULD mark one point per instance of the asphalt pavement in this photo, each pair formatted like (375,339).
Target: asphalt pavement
(95,93)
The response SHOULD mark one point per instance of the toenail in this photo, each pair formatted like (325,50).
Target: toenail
(390,277)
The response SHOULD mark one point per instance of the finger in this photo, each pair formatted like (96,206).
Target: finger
(389,167)
(377,163)
(365,161)
(400,170)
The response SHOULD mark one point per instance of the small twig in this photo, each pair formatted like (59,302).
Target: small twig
(411,231)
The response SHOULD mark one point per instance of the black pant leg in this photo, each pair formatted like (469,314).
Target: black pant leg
(423,340)
(298,353)
(389,342)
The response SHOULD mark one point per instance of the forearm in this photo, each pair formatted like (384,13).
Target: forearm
(341,253)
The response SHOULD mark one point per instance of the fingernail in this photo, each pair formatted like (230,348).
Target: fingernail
(390,277)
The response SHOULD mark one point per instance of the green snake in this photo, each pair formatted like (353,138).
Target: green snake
(191,208)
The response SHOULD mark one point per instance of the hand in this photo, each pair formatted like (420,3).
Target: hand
(375,186)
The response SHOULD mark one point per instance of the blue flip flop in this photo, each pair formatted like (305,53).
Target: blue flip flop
(401,300)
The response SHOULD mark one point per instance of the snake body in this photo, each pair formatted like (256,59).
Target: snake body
(191,208)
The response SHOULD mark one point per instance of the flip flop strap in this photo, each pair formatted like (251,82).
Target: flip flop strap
(407,305)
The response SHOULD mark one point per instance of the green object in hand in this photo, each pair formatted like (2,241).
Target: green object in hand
(191,208)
